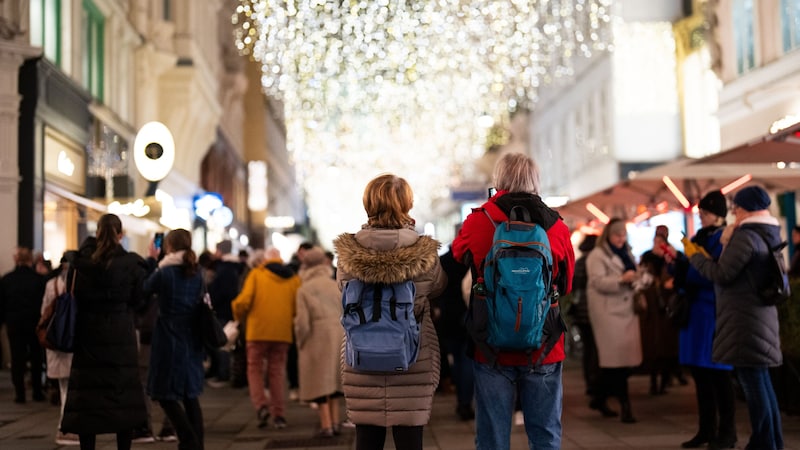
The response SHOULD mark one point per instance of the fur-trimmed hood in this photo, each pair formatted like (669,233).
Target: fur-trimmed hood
(386,255)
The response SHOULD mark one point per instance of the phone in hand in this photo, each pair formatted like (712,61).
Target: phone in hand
(492,192)
(158,241)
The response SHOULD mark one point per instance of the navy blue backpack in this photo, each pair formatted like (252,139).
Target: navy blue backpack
(381,331)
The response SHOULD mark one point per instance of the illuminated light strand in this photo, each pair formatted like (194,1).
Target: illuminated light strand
(735,184)
(676,192)
(601,216)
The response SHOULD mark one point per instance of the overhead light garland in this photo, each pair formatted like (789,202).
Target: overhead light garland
(406,85)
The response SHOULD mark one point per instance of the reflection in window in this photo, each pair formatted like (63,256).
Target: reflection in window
(790,23)
(744,35)
(93,37)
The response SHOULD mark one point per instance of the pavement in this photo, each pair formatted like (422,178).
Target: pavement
(664,422)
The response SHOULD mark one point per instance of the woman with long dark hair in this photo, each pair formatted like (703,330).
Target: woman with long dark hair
(105,394)
(175,378)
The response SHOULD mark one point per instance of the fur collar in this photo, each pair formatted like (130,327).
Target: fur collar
(392,265)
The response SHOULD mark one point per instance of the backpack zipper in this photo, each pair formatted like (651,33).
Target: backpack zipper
(519,314)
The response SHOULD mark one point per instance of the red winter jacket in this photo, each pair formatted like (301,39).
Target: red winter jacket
(475,238)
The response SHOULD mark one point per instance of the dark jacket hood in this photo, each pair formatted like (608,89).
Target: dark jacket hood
(539,211)
(280,269)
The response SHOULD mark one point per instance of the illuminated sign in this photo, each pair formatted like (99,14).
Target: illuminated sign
(64,164)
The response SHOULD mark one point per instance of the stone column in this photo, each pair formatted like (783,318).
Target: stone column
(12,55)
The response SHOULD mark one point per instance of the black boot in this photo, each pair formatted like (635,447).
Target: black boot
(627,414)
(722,442)
(599,404)
(699,440)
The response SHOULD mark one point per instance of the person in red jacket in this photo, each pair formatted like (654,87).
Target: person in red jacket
(500,376)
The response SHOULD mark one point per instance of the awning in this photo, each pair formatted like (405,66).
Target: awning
(773,162)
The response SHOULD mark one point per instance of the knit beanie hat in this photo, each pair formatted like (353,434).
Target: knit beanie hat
(752,198)
(714,202)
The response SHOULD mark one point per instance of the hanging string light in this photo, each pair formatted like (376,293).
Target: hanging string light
(400,85)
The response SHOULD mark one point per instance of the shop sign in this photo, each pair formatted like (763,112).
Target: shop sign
(64,162)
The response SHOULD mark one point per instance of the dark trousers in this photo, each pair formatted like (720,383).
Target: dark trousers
(716,403)
(614,383)
(25,348)
(371,437)
(291,367)
(591,365)
(187,420)
(461,370)
(124,438)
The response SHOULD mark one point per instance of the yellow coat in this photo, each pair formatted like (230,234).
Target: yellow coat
(267,302)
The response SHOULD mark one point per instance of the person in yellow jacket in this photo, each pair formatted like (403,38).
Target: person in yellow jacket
(267,301)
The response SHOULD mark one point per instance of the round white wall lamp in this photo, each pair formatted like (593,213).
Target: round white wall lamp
(154,151)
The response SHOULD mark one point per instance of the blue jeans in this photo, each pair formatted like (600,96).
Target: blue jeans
(540,391)
(762,405)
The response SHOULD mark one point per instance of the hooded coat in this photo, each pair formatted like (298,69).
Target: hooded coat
(747,331)
(267,301)
(391,256)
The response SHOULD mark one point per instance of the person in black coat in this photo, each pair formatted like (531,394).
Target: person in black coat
(449,310)
(223,288)
(21,291)
(105,393)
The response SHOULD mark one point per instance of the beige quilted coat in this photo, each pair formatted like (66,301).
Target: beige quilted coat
(389,256)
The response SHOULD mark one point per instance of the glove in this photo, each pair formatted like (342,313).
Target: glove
(690,248)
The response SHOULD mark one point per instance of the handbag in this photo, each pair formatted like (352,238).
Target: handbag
(57,332)
(209,328)
(678,309)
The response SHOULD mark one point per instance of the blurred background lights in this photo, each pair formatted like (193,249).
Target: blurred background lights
(406,86)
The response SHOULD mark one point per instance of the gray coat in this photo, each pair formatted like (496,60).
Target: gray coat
(391,256)
(614,323)
(746,333)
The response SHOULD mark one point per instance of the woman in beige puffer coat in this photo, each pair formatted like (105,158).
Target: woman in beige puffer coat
(388,250)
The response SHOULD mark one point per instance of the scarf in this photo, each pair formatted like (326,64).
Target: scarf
(172,259)
(624,256)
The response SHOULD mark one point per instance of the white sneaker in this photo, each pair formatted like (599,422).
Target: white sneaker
(67,439)
(348,424)
(293,395)
(519,419)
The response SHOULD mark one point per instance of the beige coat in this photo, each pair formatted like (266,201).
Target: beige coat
(390,256)
(318,333)
(615,325)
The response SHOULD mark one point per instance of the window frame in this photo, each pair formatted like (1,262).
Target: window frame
(93,64)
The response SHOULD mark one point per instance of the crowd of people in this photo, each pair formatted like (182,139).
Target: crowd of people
(137,342)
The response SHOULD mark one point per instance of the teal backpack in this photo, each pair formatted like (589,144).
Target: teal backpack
(519,285)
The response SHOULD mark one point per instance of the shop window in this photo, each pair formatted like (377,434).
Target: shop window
(93,29)
(790,24)
(45,28)
(744,35)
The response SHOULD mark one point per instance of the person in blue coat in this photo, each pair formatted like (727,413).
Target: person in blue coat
(747,334)
(713,382)
(176,374)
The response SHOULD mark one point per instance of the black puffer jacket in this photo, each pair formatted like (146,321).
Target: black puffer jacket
(105,393)
(746,332)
